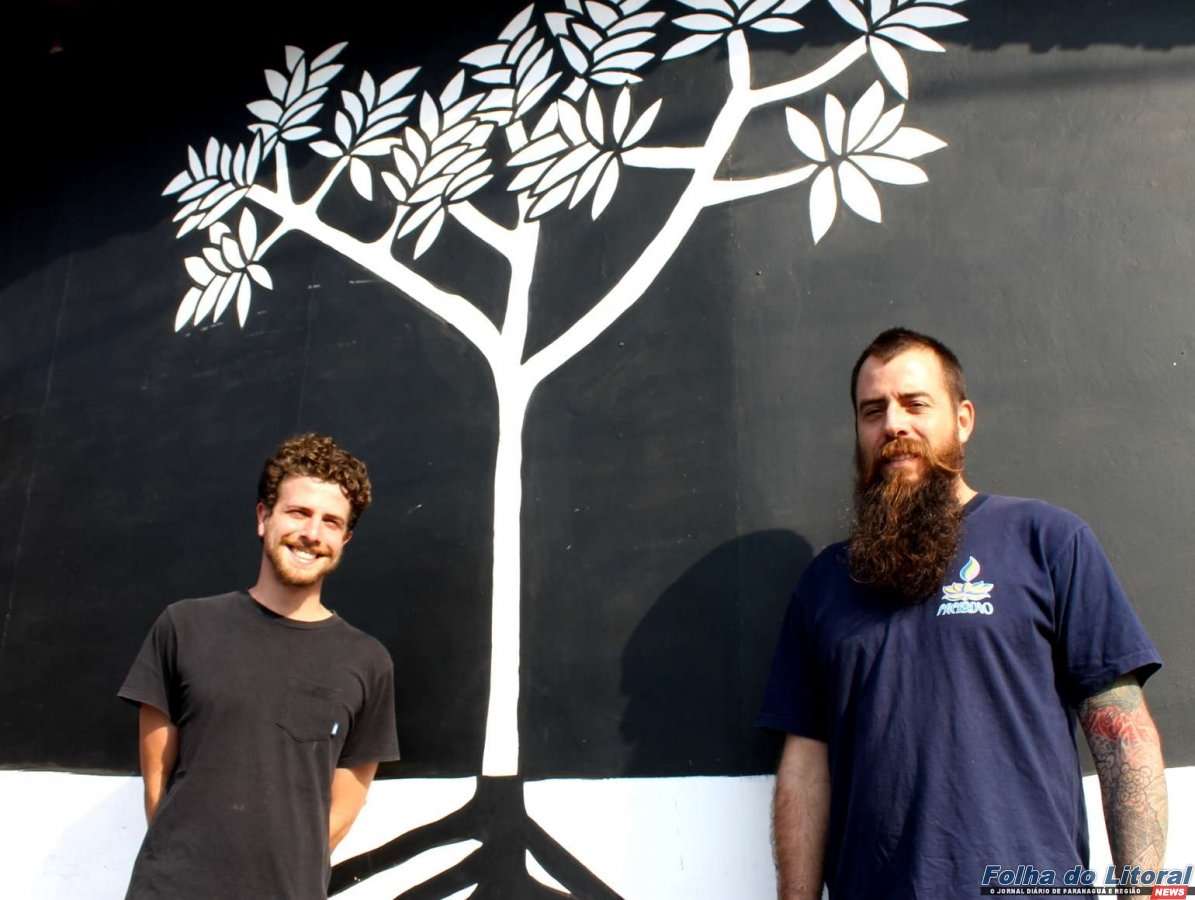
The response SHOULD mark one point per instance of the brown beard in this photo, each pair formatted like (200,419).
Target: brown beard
(906,532)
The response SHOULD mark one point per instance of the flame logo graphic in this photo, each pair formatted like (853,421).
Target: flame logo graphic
(970,570)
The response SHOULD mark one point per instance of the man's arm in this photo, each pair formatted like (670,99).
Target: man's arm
(158,748)
(1128,759)
(349,787)
(800,816)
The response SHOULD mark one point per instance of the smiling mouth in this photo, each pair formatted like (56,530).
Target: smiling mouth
(302,555)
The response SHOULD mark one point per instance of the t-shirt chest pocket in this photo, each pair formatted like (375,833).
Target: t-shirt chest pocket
(312,711)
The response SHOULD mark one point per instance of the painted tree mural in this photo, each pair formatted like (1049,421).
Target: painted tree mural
(546,115)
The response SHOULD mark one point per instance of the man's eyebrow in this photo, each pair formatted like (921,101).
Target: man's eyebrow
(917,395)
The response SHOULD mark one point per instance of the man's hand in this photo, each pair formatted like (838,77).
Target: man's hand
(349,787)
(158,748)
(800,816)
(1128,759)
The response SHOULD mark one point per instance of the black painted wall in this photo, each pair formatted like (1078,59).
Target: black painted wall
(678,474)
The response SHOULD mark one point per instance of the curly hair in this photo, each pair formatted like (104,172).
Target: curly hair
(316,456)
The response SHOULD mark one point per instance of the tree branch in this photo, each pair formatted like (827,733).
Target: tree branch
(282,171)
(663,157)
(726,191)
(264,247)
(833,67)
(738,58)
(524,241)
(321,192)
(483,227)
(377,258)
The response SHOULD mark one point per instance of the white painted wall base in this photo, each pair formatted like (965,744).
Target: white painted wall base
(70,836)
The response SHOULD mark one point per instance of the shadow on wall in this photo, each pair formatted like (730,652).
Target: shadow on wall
(695,667)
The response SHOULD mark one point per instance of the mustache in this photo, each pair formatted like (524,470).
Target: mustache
(316,547)
(907,446)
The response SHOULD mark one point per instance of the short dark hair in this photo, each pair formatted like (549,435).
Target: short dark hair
(895,341)
(316,456)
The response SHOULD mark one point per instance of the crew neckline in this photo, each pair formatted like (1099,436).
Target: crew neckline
(974,503)
(268,615)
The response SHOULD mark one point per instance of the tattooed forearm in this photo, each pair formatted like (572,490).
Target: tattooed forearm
(1128,759)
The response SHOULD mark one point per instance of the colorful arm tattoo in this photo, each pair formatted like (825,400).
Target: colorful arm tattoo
(1128,759)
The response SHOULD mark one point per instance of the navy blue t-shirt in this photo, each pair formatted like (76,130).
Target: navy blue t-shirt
(950,724)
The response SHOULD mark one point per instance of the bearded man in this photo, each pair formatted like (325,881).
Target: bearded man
(931,670)
(263,714)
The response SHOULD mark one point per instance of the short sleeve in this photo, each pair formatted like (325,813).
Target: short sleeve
(151,679)
(794,700)
(1099,637)
(373,736)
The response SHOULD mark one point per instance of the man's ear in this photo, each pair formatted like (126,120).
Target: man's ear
(348,536)
(965,420)
(262,515)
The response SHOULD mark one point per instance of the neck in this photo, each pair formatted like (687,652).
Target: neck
(963,492)
(299,603)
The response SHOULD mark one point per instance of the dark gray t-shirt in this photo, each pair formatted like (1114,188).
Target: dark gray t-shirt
(266,708)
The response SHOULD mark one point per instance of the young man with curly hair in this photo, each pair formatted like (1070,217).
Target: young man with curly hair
(263,714)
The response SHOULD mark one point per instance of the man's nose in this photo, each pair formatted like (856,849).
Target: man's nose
(311,530)
(896,422)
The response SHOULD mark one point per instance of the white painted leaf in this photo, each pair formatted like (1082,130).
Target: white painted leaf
(643,124)
(211,156)
(590,37)
(186,308)
(417,218)
(199,189)
(226,163)
(704,22)
(624,42)
(588,179)
(632,61)
(910,143)
(369,91)
(431,189)
(633,23)
(539,150)
(460,109)
(298,84)
(884,128)
(465,174)
(377,129)
(499,99)
(441,161)
(864,115)
(493,76)
(857,192)
(344,131)
(416,144)
(517,24)
(789,7)
(303,102)
(594,121)
(218,232)
(879,9)
(293,55)
(247,234)
(215,195)
(360,177)
(717,5)
(911,37)
(482,57)
(177,183)
(549,201)
(557,23)
(925,17)
(548,121)
(276,83)
(604,192)
(238,164)
(452,91)
(217,211)
(186,210)
(823,203)
(617,78)
(622,115)
(254,159)
(519,54)
(853,16)
(535,73)
(391,108)
(890,63)
(261,276)
(320,77)
(231,251)
(215,260)
(570,122)
(301,133)
(395,186)
(891,171)
(244,295)
(194,164)
(777,25)
(226,294)
(476,155)
(690,45)
(754,10)
(207,300)
(429,234)
(469,188)
(199,270)
(328,55)
(567,166)
(574,56)
(574,5)
(352,105)
(527,103)
(835,124)
(326,148)
(629,6)
(393,85)
(603,15)
(188,226)
(528,176)
(429,116)
(804,134)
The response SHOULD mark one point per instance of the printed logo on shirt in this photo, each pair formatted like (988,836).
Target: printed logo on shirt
(967,597)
